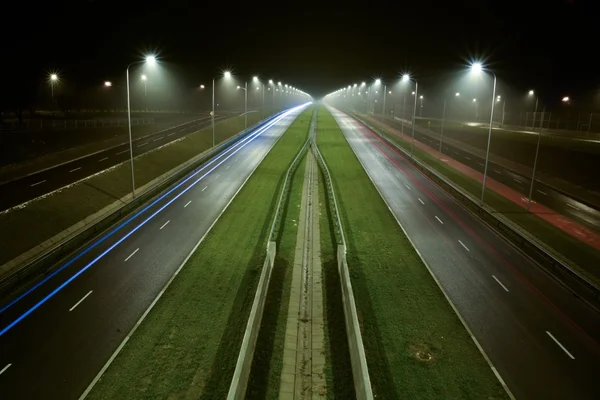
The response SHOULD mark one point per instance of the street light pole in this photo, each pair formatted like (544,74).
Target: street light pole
(246,106)
(213,113)
(442,130)
(384,94)
(487,152)
(412,145)
(130,140)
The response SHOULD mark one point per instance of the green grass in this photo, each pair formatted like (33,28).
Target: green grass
(42,219)
(400,307)
(188,344)
(265,377)
(584,258)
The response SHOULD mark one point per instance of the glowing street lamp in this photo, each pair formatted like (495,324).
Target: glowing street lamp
(406,78)
(151,61)
(201,86)
(457,94)
(226,75)
(477,68)
(107,84)
(53,79)
(566,99)
(537,148)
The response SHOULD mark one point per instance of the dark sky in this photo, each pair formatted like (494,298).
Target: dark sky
(315,46)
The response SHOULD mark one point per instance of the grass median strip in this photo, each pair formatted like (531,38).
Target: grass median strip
(584,258)
(188,344)
(416,346)
(43,218)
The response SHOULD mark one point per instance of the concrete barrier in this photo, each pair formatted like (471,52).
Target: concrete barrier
(358,359)
(43,258)
(556,264)
(243,367)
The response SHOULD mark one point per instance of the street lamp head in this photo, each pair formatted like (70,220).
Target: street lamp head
(566,99)
(201,86)
(456,94)
(227,75)
(107,83)
(355,85)
(378,81)
(144,77)
(270,81)
(255,79)
(531,92)
(279,83)
(53,77)
(476,67)
(238,87)
(151,60)
(405,78)
(421,97)
(413,93)
(363,84)
(390,92)
(474,100)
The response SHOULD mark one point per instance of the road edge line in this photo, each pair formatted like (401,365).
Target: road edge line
(458,314)
(139,322)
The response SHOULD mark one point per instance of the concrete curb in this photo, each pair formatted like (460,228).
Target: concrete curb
(556,265)
(358,359)
(243,367)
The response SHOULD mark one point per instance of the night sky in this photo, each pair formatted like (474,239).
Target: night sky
(315,46)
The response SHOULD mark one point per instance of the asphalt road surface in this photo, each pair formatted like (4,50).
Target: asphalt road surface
(57,337)
(32,186)
(542,194)
(541,339)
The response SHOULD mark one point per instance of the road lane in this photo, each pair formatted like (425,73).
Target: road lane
(55,353)
(510,321)
(542,193)
(18,191)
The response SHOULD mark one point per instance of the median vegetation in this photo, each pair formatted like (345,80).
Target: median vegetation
(416,346)
(45,217)
(188,344)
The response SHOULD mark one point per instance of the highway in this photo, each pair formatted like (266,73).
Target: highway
(20,190)
(542,193)
(58,335)
(540,338)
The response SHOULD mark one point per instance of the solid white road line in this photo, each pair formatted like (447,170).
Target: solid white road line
(121,152)
(408,187)
(422,202)
(560,345)
(500,283)
(172,133)
(572,206)
(516,180)
(468,158)
(544,193)
(131,255)
(76,169)
(204,188)
(143,144)
(439,220)
(158,138)
(187,204)
(102,159)
(37,183)
(165,224)
(5,368)
(498,171)
(463,245)
(79,302)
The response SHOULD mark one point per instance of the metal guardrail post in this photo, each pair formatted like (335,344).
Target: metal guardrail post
(360,370)
(239,382)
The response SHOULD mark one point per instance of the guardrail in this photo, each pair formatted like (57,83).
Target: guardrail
(239,382)
(44,262)
(556,264)
(360,370)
